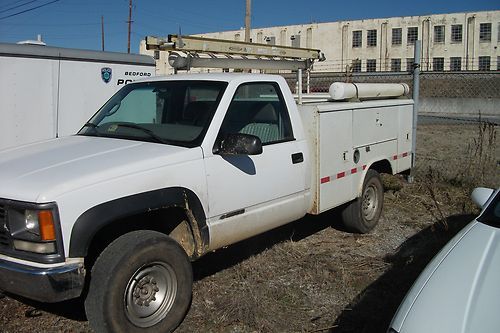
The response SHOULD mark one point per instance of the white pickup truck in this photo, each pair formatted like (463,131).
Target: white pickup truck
(172,168)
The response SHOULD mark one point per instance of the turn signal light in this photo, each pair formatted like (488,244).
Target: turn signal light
(47,227)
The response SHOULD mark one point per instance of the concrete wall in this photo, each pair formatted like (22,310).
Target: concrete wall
(459,106)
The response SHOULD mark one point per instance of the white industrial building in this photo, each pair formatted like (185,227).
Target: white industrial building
(450,42)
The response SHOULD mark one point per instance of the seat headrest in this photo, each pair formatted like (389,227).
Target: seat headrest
(267,114)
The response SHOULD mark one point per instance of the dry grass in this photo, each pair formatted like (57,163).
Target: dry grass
(311,277)
(453,159)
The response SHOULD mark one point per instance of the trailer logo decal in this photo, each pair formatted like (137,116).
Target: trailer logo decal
(106,74)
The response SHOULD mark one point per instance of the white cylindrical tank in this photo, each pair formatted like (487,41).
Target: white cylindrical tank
(341,90)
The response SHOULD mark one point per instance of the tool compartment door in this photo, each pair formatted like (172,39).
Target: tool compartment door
(335,159)
(405,137)
(375,125)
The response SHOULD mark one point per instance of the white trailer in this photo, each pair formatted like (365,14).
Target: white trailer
(48,92)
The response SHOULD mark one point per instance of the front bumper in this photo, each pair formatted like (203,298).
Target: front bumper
(53,284)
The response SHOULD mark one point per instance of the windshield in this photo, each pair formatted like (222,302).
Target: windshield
(172,112)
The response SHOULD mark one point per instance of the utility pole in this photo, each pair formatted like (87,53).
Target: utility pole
(247,20)
(102,31)
(129,24)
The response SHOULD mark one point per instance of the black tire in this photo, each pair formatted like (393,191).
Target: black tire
(142,282)
(362,214)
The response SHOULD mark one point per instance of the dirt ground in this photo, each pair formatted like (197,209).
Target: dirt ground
(310,275)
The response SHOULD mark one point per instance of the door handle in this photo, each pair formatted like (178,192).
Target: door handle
(297,158)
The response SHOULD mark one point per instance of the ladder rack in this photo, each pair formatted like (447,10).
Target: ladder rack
(186,52)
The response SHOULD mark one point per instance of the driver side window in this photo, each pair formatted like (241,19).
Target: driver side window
(258,109)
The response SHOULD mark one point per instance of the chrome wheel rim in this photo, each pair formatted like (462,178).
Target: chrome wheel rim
(150,294)
(369,203)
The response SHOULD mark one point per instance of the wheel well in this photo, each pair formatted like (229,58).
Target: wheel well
(171,221)
(382,167)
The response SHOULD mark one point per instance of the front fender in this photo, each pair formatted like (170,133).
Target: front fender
(91,221)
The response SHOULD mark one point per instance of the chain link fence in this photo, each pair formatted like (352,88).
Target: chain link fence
(460,97)
(458,121)
(463,95)
(321,81)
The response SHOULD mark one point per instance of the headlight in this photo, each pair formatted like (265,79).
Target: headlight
(31,219)
(33,230)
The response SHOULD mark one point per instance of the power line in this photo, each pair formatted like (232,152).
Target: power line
(11,3)
(23,4)
(72,36)
(28,10)
(60,24)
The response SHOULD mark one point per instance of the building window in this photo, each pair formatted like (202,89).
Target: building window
(371,65)
(157,54)
(357,37)
(295,40)
(456,33)
(356,66)
(484,63)
(455,64)
(412,35)
(438,64)
(439,34)
(396,65)
(498,63)
(485,32)
(271,40)
(397,34)
(237,37)
(409,64)
(371,37)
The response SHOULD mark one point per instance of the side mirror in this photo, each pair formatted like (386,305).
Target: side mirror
(480,196)
(240,144)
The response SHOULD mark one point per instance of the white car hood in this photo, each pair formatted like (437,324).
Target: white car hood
(42,171)
(458,291)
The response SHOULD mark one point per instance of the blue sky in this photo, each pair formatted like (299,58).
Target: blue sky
(77,23)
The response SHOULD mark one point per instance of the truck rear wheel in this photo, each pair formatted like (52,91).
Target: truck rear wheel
(362,214)
(142,282)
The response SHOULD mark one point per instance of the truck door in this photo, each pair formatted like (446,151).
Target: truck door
(251,194)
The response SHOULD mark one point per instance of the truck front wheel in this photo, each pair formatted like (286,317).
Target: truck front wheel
(142,282)
(362,214)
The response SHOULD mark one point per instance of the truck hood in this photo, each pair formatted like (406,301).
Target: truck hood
(41,172)
(458,291)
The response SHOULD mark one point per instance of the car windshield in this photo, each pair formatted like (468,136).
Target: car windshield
(172,112)
(491,215)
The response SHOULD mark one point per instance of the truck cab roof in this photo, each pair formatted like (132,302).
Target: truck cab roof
(225,77)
